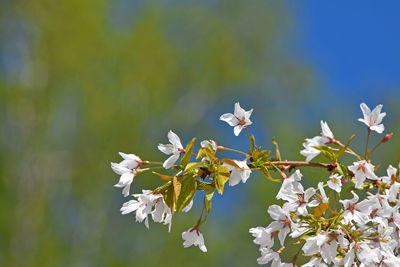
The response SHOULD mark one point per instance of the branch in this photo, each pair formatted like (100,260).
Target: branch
(298,164)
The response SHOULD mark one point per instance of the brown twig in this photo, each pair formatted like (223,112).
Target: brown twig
(298,164)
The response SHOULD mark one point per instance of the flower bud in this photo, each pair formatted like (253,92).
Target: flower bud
(386,137)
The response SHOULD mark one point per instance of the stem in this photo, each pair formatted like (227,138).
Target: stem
(153,162)
(375,147)
(298,164)
(348,150)
(366,145)
(234,150)
(248,135)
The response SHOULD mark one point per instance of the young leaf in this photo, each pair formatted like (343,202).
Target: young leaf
(188,152)
(221,177)
(208,199)
(187,191)
(266,173)
(230,163)
(262,156)
(278,154)
(321,209)
(327,152)
(169,196)
(204,186)
(252,144)
(177,190)
(205,152)
(163,177)
(343,149)
(193,165)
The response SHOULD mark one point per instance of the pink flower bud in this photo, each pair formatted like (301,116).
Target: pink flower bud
(386,137)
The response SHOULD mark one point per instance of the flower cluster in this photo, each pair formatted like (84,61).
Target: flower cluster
(350,218)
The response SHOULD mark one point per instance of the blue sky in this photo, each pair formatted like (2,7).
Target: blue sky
(353,45)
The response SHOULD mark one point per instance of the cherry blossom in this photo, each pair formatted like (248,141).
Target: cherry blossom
(237,174)
(263,236)
(239,119)
(335,182)
(175,149)
(326,138)
(127,170)
(193,236)
(373,118)
(362,170)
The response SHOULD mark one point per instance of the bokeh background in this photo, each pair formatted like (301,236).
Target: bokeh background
(82,80)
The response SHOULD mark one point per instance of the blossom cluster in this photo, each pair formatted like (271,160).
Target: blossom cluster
(351,218)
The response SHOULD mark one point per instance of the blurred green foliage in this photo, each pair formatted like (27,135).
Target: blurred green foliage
(82,80)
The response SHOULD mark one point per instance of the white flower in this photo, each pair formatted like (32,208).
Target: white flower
(263,236)
(268,255)
(143,206)
(161,212)
(130,161)
(364,253)
(373,119)
(391,175)
(309,150)
(326,244)
(193,236)
(127,170)
(290,185)
(238,175)
(282,222)
(298,202)
(362,169)
(175,148)
(209,144)
(319,198)
(314,262)
(126,178)
(239,119)
(335,182)
(354,211)
(327,137)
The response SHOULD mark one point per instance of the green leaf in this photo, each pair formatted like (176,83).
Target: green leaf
(342,170)
(188,152)
(187,191)
(204,186)
(177,191)
(205,152)
(252,144)
(208,199)
(327,152)
(278,154)
(221,177)
(343,149)
(193,165)
(169,196)
(262,156)
(266,173)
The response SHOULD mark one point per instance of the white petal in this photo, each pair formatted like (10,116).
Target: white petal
(118,169)
(239,112)
(166,149)
(229,118)
(378,128)
(237,129)
(366,111)
(174,139)
(171,161)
